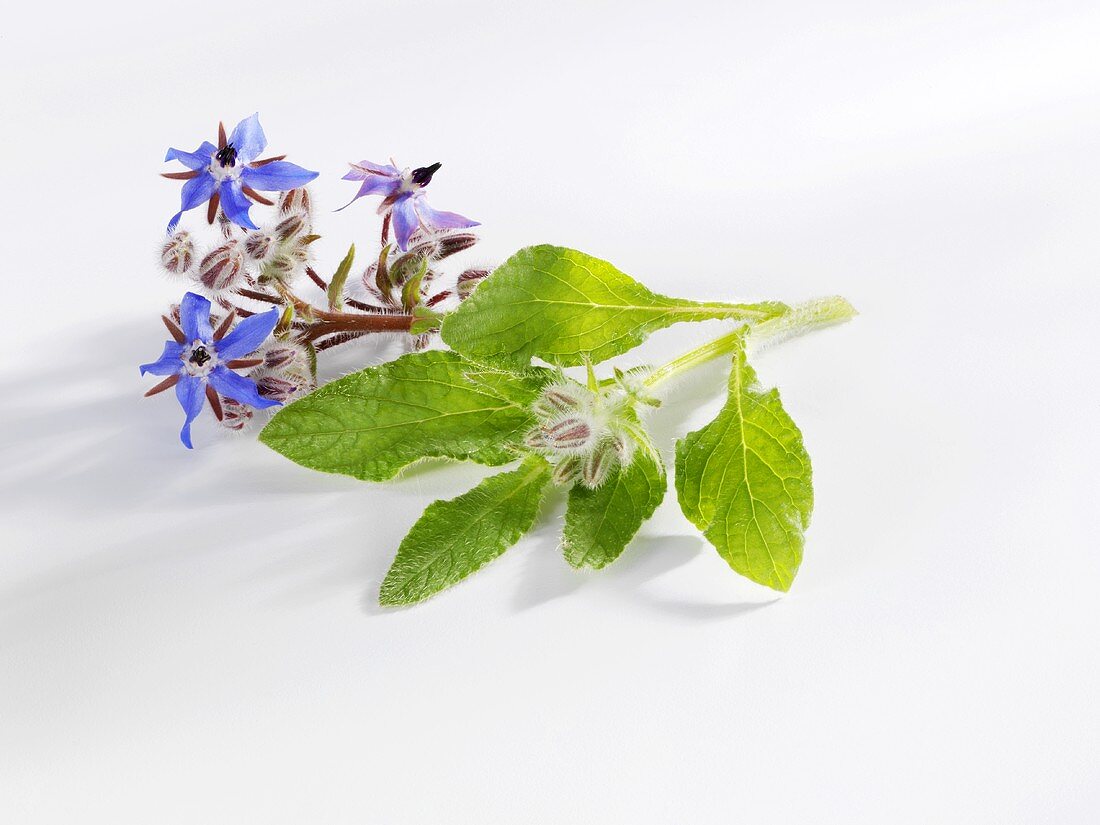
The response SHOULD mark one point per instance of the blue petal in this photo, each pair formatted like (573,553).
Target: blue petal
(365,169)
(279,176)
(248,139)
(195,317)
(235,204)
(195,191)
(191,393)
(239,388)
(374,185)
(169,362)
(247,336)
(441,220)
(199,159)
(404,221)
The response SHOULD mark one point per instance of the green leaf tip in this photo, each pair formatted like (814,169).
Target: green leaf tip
(564,307)
(457,537)
(745,481)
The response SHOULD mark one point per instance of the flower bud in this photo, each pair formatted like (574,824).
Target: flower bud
(278,387)
(258,245)
(567,470)
(597,465)
(284,354)
(228,228)
(624,448)
(296,200)
(235,415)
(570,434)
(535,439)
(290,227)
(438,298)
(178,253)
(444,246)
(559,398)
(469,280)
(404,267)
(280,268)
(223,268)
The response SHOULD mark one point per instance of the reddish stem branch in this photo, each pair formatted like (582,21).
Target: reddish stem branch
(317,279)
(258,296)
(342,322)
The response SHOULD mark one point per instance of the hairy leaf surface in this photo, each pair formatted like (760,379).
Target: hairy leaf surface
(563,306)
(455,538)
(373,423)
(745,481)
(600,523)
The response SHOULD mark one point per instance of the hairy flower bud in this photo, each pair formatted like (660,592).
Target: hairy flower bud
(404,267)
(178,253)
(223,268)
(560,398)
(281,267)
(228,228)
(438,298)
(597,465)
(296,200)
(259,245)
(290,227)
(535,439)
(284,354)
(235,416)
(444,246)
(570,434)
(278,387)
(624,448)
(469,280)
(567,470)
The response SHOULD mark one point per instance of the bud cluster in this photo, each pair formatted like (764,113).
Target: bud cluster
(278,251)
(586,434)
(410,279)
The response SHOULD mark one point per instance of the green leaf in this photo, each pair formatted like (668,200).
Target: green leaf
(373,423)
(426,320)
(336,285)
(600,523)
(745,481)
(455,538)
(564,306)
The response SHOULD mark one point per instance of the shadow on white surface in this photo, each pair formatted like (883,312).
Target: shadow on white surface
(547,577)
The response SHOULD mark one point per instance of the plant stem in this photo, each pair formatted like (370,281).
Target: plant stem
(801,319)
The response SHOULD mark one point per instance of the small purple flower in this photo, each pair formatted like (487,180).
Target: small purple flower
(229,174)
(403,198)
(199,360)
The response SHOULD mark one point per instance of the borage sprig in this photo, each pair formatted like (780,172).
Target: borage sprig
(744,479)
(500,396)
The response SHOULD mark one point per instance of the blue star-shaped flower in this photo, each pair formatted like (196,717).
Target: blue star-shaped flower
(199,361)
(404,198)
(229,174)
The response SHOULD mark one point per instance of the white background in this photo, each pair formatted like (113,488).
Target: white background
(191,637)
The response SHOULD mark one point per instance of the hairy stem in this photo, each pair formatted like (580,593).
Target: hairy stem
(822,312)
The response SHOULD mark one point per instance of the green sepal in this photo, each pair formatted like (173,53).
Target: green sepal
(336,285)
(410,292)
